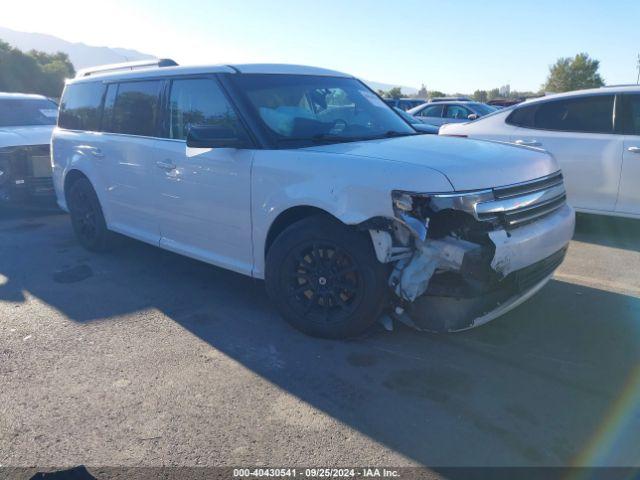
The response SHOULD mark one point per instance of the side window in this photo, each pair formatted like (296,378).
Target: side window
(587,114)
(80,106)
(432,111)
(630,115)
(199,101)
(135,111)
(457,112)
(107,109)
(522,116)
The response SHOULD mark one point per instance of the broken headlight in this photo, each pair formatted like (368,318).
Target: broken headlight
(423,204)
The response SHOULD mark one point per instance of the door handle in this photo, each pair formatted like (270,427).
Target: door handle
(528,143)
(634,149)
(167,165)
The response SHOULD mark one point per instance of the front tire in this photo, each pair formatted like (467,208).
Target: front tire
(87,218)
(325,279)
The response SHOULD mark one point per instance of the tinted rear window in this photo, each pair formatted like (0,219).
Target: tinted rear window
(630,114)
(27,112)
(135,111)
(522,116)
(80,107)
(585,114)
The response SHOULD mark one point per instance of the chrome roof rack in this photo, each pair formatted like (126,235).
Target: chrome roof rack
(621,85)
(116,67)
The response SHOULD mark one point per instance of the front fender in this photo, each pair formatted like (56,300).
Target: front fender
(350,188)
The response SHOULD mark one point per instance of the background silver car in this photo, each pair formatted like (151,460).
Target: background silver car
(439,113)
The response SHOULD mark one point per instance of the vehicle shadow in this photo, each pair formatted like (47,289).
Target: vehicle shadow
(608,231)
(534,387)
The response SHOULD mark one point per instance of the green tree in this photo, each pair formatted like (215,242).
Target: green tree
(480,96)
(33,72)
(395,92)
(436,93)
(573,74)
(493,93)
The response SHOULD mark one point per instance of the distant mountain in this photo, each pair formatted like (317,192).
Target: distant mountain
(81,55)
(386,86)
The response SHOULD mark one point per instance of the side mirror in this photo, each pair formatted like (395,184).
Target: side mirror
(215,136)
(473,116)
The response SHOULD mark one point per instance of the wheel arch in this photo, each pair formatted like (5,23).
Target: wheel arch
(70,178)
(288,217)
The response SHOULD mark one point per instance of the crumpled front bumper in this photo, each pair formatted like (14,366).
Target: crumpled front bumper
(524,260)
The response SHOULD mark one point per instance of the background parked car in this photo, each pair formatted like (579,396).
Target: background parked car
(594,134)
(417,124)
(404,103)
(449,99)
(505,102)
(439,113)
(26,123)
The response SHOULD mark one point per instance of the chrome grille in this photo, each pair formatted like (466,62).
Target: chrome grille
(515,205)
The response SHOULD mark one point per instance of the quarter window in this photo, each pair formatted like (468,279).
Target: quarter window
(135,111)
(199,102)
(523,116)
(80,107)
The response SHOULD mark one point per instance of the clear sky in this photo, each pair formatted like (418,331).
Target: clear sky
(454,46)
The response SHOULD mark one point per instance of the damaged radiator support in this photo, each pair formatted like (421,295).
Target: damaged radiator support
(451,284)
(411,276)
(461,259)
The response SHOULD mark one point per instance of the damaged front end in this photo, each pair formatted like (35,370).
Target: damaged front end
(26,175)
(460,260)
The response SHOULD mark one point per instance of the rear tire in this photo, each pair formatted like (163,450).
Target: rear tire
(325,279)
(87,218)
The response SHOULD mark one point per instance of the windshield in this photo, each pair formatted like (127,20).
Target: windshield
(299,110)
(21,112)
(482,109)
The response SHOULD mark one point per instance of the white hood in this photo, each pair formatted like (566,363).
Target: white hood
(33,135)
(468,164)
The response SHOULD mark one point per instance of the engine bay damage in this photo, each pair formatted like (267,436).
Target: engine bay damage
(450,271)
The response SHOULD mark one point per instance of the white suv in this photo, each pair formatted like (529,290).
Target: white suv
(594,134)
(306,178)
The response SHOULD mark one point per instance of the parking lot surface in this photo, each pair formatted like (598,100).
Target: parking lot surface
(141,357)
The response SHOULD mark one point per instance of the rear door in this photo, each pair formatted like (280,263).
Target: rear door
(629,193)
(578,132)
(129,152)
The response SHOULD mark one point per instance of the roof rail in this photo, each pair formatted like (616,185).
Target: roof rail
(115,67)
(621,85)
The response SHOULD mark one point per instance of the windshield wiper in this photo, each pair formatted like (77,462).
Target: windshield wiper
(330,138)
(393,133)
(320,138)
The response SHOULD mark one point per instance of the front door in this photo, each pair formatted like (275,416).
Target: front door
(203,195)
(629,194)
